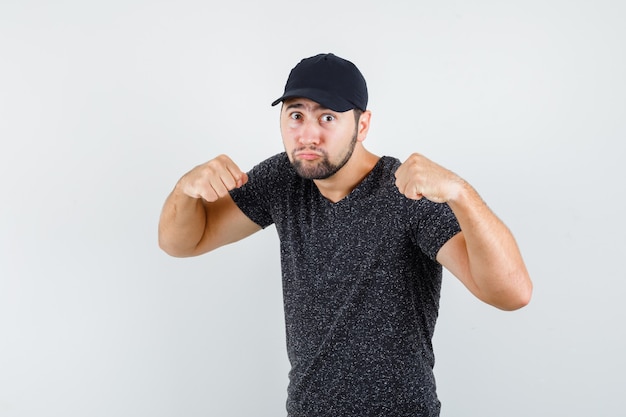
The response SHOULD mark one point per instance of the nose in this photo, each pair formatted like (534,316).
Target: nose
(309,133)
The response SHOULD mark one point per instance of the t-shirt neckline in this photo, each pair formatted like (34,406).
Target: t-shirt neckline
(362,189)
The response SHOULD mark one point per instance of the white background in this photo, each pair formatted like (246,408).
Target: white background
(105,104)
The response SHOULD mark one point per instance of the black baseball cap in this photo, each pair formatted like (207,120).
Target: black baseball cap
(329,80)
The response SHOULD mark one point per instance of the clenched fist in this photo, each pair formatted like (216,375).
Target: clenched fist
(212,180)
(420,177)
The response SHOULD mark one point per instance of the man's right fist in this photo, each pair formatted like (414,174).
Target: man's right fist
(212,180)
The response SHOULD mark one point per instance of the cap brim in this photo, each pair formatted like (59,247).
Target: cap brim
(328,101)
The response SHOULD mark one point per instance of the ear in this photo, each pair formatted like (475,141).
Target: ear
(363,125)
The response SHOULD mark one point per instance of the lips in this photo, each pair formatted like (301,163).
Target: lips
(308,154)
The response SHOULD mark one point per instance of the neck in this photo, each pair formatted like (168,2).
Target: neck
(345,180)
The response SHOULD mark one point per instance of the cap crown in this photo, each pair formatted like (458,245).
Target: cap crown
(329,80)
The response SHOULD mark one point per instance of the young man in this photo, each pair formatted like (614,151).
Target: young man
(363,239)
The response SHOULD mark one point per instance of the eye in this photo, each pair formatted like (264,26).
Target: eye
(295,116)
(327,118)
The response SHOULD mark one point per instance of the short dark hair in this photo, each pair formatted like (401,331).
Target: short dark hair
(357,114)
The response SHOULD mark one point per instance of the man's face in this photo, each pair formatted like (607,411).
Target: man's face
(317,140)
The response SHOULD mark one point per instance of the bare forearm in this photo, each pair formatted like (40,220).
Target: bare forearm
(485,256)
(494,260)
(182,224)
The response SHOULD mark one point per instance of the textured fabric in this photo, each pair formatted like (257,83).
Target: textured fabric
(361,290)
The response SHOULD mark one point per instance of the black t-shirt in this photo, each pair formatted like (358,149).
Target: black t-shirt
(361,290)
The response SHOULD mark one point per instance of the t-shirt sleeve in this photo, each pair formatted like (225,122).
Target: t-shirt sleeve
(436,226)
(254,198)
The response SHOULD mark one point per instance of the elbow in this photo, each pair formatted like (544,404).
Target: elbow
(178,249)
(517,297)
(526,295)
(514,303)
(165,245)
(173,250)
(169,249)
(176,253)
(525,291)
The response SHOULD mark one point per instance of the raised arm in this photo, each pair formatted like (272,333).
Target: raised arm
(199,215)
(484,255)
